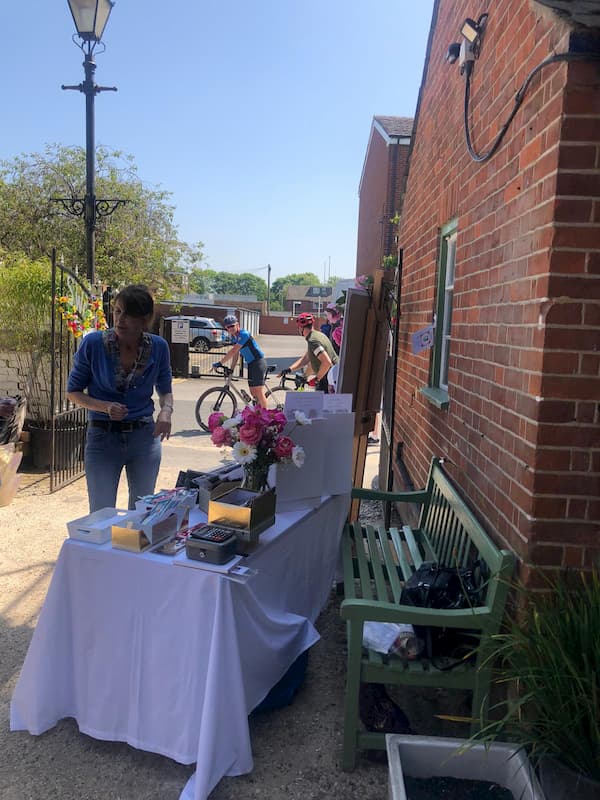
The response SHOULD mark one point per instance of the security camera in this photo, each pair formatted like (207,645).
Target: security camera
(453,52)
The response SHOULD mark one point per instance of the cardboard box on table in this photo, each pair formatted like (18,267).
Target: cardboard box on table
(248,513)
(211,488)
(137,536)
(327,444)
(182,509)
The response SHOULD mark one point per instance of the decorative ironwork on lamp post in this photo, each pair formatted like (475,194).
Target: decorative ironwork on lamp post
(90,18)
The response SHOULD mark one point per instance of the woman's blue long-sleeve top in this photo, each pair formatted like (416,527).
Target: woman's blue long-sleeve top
(95,370)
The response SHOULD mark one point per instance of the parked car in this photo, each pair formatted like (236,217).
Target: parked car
(205,333)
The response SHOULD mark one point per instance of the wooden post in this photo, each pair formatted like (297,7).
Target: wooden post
(370,379)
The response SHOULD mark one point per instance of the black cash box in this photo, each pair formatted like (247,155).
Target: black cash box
(211,543)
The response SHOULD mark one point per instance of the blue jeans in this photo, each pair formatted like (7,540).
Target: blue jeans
(107,452)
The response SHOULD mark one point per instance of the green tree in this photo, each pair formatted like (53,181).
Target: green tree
(210,280)
(139,242)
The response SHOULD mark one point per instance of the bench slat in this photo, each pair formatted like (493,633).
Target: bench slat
(362,561)
(374,557)
(413,547)
(406,568)
(392,564)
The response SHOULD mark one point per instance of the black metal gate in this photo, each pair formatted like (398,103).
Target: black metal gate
(68,422)
(392,308)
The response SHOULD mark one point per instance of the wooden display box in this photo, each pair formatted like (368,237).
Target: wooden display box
(137,537)
(249,513)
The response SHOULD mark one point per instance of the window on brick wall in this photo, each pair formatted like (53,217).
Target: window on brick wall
(437,391)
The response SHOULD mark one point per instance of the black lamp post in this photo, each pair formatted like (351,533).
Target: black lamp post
(90,18)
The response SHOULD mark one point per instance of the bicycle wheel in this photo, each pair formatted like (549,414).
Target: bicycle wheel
(214,400)
(276,397)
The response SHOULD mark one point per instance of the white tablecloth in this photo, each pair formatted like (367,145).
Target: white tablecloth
(170,659)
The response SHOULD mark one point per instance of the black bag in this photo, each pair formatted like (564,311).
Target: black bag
(435,586)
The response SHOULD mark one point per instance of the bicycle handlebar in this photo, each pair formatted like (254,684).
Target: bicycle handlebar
(222,370)
(297,378)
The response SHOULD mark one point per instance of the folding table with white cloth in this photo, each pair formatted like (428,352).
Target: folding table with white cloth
(172,660)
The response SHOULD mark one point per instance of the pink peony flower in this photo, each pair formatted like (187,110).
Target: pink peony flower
(220,436)
(283,447)
(250,434)
(215,419)
(279,420)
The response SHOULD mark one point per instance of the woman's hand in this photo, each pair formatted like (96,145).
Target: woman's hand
(162,426)
(116,411)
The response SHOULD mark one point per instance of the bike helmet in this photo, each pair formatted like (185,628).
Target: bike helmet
(230,319)
(305,320)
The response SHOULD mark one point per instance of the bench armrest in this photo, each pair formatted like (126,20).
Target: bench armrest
(390,497)
(363,610)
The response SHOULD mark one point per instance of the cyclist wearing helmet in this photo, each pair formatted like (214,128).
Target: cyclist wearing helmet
(319,352)
(245,345)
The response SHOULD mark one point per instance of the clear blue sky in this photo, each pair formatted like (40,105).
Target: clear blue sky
(255,116)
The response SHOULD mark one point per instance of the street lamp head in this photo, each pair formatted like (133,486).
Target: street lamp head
(90,17)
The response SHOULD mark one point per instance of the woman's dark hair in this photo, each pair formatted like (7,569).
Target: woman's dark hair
(136,300)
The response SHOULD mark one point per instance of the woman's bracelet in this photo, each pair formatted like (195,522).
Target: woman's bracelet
(166,407)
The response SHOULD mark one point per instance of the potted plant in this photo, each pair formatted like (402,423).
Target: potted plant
(550,656)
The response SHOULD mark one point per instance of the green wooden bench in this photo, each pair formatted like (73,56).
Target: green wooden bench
(376,564)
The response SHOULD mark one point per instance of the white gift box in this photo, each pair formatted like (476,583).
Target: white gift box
(97,526)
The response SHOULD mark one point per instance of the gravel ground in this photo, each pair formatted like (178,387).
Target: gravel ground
(296,749)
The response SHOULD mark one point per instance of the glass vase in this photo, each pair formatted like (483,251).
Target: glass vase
(256,477)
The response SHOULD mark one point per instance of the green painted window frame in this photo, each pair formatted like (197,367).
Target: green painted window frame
(437,390)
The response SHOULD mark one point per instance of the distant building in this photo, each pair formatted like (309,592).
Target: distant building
(381,191)
(312,299)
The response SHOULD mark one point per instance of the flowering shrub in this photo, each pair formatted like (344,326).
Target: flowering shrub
(364,282)
(257,436)
(79,322)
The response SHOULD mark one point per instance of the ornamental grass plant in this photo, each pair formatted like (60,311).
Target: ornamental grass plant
(550,656)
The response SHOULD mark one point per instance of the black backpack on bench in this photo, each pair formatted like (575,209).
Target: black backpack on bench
(433,585)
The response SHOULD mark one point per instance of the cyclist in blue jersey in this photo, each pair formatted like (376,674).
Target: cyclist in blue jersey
(245,345)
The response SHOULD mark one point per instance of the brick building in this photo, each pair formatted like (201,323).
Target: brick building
(311,299)
(503,253)
(380,191)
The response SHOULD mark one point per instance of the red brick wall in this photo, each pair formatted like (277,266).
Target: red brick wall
(521,433)
(380,196)
(284,324)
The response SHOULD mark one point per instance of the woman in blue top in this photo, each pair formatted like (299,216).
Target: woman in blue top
(114,375)
(245,345)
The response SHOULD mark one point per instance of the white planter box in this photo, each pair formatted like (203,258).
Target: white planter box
(428,756)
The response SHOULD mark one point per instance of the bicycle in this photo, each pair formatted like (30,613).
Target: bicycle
(277,393)
(227,398)
(221,398)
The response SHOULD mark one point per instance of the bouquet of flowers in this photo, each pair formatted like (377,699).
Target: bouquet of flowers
(258,439)
(79,322)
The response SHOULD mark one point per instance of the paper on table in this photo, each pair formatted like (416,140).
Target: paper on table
(311,403)
(338,443)
(336,403)
(304,483)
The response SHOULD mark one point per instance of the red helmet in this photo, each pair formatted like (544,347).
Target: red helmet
(305,320)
